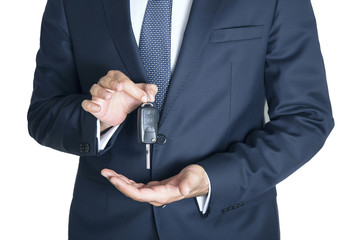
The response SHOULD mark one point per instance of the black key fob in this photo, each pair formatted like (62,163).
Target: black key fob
(147,121)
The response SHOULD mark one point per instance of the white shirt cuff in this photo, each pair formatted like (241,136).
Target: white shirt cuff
(203,201)
(104,139)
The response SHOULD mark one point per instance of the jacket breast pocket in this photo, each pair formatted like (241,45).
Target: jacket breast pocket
(236,34)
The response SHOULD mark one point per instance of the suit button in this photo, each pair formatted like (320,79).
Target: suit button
(161,139)
(84,148)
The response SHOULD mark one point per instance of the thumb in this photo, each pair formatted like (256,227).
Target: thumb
(188,184)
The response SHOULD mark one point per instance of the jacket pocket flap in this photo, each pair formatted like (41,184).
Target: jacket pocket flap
(236,33)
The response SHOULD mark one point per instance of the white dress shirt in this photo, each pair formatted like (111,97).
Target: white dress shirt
(180,15)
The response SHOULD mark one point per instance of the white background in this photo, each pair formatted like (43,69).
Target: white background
(320,201)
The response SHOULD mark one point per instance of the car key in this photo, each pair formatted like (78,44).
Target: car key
(147,121)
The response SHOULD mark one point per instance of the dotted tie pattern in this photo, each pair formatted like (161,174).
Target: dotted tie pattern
(155,46)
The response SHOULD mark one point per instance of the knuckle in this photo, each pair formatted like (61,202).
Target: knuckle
(118,84)
(85,104)
(124,78)
(121,76)
(93,87)
(103,79)
(111,72)
(119,73)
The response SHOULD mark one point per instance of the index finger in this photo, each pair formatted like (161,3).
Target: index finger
(117,81)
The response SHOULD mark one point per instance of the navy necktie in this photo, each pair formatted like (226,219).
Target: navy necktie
(155,46)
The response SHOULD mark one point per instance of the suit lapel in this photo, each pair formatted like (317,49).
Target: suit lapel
(202,16)
(117,14)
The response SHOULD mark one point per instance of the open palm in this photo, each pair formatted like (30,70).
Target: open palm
(190,182)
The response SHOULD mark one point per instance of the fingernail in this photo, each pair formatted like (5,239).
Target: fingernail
(105,174)
(144,98)
(117,86)
(96,108)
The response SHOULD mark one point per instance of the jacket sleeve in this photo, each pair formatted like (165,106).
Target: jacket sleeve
(299,110)
(55,116)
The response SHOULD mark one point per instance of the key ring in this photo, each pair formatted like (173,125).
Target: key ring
(148,103)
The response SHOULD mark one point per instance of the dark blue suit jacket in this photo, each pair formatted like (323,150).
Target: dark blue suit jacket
(236,54)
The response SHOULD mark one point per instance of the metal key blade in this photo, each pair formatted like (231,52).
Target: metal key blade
(147,156)
(147,128)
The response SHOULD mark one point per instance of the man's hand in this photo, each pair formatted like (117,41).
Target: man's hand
(192,181)
(115,96)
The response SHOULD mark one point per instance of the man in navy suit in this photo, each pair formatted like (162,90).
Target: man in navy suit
(215,153)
